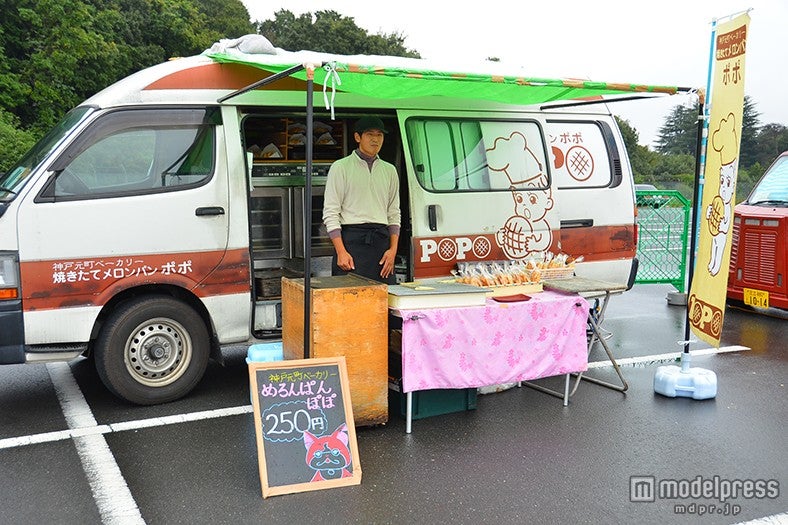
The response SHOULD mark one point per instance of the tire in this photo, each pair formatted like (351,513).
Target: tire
(152,350)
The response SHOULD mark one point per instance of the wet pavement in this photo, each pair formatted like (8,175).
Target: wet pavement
(519,457)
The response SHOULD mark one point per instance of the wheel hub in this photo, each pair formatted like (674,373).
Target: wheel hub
(155,350)
(158,352)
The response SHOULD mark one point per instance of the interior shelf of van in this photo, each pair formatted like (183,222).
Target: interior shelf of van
(283,139)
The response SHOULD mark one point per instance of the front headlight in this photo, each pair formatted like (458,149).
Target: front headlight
(9,276)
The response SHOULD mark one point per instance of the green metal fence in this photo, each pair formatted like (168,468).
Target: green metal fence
(663,237)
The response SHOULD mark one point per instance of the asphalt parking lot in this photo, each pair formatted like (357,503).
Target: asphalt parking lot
(72,453)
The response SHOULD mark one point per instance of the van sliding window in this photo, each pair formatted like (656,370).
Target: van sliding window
(470,155)
(584,153)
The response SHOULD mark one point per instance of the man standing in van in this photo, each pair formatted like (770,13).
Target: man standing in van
(361,207)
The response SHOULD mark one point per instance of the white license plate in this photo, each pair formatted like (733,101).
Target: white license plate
(759,298)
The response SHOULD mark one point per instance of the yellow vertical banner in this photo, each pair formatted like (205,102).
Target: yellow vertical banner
(706,301)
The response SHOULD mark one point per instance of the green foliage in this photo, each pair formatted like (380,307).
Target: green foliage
(640,157)
(748,145)
(329,32)
(759,146)
(772,140)
(59,52)
(679,134)
(227,19)
(56,53)
(747,178)
(665,171)
(15,142)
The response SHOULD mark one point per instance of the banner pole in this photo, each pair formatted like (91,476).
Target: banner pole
(697,191)
(696,196)
(684,381)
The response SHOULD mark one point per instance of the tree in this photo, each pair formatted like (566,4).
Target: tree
(59,52)
(227,19)
(329,32)
(772,140)
(640,157)
(628,133)
(678,135)
(748,145)
(15,142)
(56,53)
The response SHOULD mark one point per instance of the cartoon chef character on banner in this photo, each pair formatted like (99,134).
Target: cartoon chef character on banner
(526,231)
(719,212)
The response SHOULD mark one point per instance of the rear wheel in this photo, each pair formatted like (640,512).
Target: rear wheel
(152,350)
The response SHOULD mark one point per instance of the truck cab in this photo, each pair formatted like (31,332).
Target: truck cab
(759,253)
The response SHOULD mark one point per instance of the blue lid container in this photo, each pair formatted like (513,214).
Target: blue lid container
(263,352)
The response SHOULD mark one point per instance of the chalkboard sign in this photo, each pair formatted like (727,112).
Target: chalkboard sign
(306,438)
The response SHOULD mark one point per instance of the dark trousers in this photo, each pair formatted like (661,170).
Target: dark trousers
(366,243)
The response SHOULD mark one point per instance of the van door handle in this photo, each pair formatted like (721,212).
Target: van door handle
(206,211)
(577,223)
(432,217)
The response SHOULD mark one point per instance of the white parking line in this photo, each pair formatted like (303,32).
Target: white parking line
(658,359)
(110,491)
(93,429)
(122,426)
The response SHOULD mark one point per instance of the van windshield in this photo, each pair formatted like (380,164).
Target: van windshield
(772,189)
(14,179)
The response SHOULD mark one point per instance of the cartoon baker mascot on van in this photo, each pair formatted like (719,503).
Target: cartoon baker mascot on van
(527,230)
(720,211)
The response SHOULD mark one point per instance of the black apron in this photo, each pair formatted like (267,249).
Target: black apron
(366,243)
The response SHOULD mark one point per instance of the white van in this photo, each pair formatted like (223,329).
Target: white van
(153,225)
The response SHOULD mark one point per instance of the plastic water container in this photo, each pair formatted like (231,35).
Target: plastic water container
(261,353)
(264,352)
(697,383)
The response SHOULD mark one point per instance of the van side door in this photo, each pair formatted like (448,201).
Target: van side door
(480,190)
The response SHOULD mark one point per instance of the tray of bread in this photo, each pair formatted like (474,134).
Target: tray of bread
(517,277)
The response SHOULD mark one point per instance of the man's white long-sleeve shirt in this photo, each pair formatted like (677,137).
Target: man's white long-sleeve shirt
(356,194)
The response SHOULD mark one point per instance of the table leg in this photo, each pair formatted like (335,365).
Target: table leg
(596,336)
(566,390)
(408,411)
(561,395)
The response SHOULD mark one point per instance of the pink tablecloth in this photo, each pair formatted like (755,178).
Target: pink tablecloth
(494,344)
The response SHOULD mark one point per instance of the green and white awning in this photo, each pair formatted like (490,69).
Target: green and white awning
(396,78)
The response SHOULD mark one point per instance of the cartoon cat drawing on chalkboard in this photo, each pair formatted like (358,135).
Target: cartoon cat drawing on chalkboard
(328,455)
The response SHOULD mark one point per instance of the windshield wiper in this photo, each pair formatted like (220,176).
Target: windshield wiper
(767,202)
(9,190)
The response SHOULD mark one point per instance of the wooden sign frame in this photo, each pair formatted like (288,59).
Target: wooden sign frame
(309,372)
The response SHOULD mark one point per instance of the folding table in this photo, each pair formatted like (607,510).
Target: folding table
(500,342)
(590,288)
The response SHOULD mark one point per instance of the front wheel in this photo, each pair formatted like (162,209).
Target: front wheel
(152,350)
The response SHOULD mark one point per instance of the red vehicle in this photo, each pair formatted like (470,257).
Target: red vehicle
(759,253)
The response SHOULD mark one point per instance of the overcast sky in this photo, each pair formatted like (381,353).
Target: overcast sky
(665,42)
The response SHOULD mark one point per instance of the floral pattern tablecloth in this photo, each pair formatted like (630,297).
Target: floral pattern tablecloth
(464,347)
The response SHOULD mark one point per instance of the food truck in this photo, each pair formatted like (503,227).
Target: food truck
(154,224)
(759,252)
